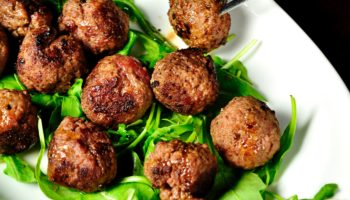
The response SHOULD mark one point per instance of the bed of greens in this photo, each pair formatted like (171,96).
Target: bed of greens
(134,142)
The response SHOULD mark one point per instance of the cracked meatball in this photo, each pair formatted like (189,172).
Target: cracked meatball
(185,81)
(4,50)
(199,22)
(181,170)
(116,91)
(18,122)
(246,133)
(81,156)
(46,63)
(99,24)
(15,15)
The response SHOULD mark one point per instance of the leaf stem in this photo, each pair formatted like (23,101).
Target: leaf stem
(240,54)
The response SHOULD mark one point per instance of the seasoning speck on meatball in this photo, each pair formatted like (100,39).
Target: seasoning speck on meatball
(18,122)
(199,22)
(116,91)
(185,81)
(246,133)
(181,170)
(4,50)
(99,24)
(81,156)
(47,64)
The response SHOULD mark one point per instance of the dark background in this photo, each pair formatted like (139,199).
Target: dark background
(327,22)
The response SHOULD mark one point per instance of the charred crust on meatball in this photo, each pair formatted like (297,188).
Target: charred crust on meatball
(181,170)
(200,22)
(246,133)
(4,49)
(81,156)
(100,25)
(17,16)
(117,91)
(47,63)
(185,81)
(18,122)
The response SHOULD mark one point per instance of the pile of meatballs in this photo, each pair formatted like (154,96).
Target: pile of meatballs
(119,89)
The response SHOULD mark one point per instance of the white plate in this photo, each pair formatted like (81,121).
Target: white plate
(286,63)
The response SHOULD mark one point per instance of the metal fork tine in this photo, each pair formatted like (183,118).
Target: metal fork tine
(230,5)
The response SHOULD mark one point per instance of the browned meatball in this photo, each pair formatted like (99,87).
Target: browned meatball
(47,64)
(181,170)
(99,24)
(199,23)
(246,133)
(116,91)
(185,81)
(81,156)
(18,122)
(4,49)
(15,15)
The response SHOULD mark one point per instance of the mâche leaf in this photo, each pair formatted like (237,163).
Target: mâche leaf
(269,171)
(11,82)
(248,187)
(326,192)
(18,169)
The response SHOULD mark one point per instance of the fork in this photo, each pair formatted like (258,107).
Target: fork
(230,5)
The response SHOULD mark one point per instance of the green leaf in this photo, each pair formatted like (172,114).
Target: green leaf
(145,130)
(248,187)
(58,4)
(18,169)
(326,192)
(224,179)
(11,82)
(269,172)
(154,51)
(54,122)
(76,89)
(240,54)
(124,137)
(129,7)
(232,86)
(46,100)
(138,167)
(131,42)
(71,107)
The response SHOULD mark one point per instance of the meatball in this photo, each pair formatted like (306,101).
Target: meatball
(246,133)
(81,156)
(185,81)
(18,122)
(181,170)
(15,15)
(199,22)
(4,50)
(47,64)
(99,24)
(116,91)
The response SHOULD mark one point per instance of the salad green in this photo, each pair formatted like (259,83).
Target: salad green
(135,142)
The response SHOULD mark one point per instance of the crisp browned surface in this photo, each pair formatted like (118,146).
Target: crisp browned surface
(47,64)
(180,170)
(185,81)
(199,23)
(116,91)
(81,156)
(15,15)
(246,133)
(18,122)
(99,24)
(4,49)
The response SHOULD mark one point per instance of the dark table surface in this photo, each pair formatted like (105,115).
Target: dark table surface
(327,22)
